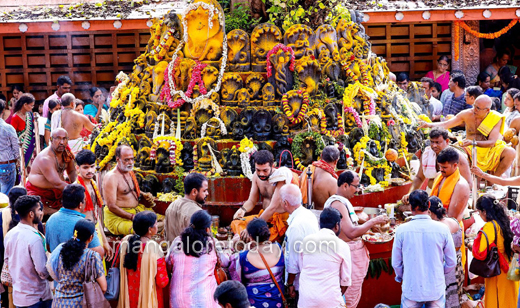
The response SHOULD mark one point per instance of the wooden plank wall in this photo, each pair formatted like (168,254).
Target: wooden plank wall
(89,58)
(411,47)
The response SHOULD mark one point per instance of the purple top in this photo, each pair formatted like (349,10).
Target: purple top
(443,79)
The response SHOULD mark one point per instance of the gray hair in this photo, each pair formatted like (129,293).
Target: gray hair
(330,154)
(292,194)
(67,99)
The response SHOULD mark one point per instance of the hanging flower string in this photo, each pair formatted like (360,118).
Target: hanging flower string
(212,10)
(273,51)
(456,38)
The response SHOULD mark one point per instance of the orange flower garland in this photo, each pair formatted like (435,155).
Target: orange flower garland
(494,35)
(303,109)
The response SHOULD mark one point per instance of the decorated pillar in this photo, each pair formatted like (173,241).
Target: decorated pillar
(469,51)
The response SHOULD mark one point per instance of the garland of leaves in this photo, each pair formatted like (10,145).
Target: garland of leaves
(296,147)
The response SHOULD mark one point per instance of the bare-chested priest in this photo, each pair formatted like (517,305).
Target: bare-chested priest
(73,122)
(47,178)
(486,127)
(323,178)
(266,182)
(122,194)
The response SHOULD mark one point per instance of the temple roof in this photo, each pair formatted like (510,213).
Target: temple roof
(62,10)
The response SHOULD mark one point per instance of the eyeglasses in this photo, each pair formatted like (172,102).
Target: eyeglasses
(357,186)
(481,109)
(443,64)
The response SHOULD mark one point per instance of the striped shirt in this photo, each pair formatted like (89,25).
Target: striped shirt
(9,148)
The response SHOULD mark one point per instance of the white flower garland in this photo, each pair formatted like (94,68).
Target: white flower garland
(123,79)
(211,9)
(223,130)
(244,162)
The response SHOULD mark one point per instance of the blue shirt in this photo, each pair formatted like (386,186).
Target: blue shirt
(422,254)
(493,93)
(91,110)
(454,105)
(60,228)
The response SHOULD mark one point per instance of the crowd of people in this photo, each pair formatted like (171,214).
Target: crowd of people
(55,227)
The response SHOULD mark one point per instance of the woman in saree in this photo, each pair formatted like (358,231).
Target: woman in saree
(500,292)
(500,61)
(249,268)
(23,122)
(142,266)
(441,74)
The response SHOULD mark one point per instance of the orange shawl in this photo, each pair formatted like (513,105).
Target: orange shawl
(447,187)
(90,205)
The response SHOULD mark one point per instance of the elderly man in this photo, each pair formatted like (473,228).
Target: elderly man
(73,122)
(47,178)
(122,194)
(323,178)
(429,168)
(266,183)
(485,127)
(351,231)
(302,222)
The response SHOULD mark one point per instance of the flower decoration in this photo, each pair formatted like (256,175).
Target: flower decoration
(273,51)
(149,23)
(85,25)
(246,148)
(459,14)
(222,126)
(399,16)
(212,10)
(486,13)
(303,110)
(175,148)
(426,15)
(366,17)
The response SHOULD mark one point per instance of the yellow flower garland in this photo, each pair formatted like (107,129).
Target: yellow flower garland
(170,140)
(246,145)
(362,145)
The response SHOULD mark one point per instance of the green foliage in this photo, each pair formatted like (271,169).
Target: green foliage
(285,13)
(296,146)
(179,179)
(240,18)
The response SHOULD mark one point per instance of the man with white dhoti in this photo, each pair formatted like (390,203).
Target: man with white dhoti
(73,122)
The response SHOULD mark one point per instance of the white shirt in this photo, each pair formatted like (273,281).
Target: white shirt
(326,265)
(302,222)
(437,106)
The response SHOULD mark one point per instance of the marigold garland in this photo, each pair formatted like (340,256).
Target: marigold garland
(175,148)
(303,109)
(493,35)
(334,133)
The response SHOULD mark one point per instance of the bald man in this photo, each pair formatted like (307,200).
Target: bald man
(486,127)
(73,122)
(302,222)
(47,176)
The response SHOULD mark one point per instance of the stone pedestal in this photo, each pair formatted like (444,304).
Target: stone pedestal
(469,61)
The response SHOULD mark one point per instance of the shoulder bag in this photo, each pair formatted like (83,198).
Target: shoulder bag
(6,277)
(93,297)
(274,279)
(490,266)
(220,273)
(113,277)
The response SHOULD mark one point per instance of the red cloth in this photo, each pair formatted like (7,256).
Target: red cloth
(85,133)
(89,206)
(17,123)
(504,265)
(325,166)
(134,281)
(50,197)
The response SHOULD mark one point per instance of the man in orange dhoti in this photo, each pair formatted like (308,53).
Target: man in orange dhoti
(452,189)
(266,182)
(323,179)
